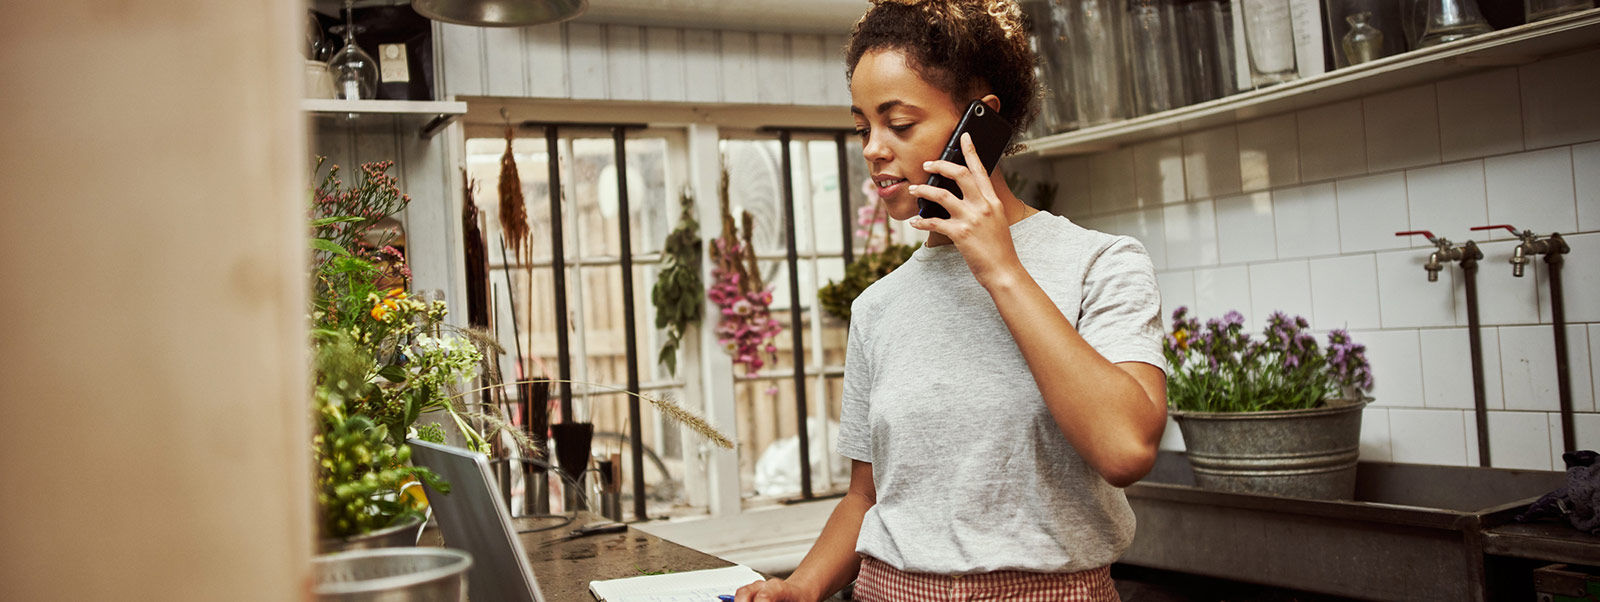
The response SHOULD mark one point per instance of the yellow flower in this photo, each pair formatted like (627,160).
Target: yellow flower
(1183,338)
(397,293)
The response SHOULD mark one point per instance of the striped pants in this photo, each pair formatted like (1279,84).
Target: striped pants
(879,582)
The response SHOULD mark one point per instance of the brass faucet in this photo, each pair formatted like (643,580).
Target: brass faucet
(1444,252)
(1531,246)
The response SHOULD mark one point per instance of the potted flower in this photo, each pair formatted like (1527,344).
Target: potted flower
(382,359)
(1277,415)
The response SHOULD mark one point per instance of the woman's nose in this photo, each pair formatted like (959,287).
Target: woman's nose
(874,151)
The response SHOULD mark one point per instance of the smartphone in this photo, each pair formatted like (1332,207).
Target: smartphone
(990,134)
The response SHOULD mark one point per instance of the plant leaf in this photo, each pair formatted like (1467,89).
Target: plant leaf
(323,244)
(341,219)
(394,373)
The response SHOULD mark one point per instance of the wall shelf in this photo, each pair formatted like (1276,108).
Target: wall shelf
(430,116)
(1509,47)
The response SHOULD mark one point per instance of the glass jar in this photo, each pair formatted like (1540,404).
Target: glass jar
(1098,52)
(1363,42)
(1269,41)
(1451,20)
(1207,48)
(1156,65)
(1383,16)
(1544,9)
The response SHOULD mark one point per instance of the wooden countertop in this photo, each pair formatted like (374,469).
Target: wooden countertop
(565,569)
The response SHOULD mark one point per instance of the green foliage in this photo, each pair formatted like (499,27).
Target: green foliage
(1217,367)
(679,295)
(836,297)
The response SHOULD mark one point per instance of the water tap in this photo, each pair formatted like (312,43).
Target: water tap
(1531,246)
(1443,252)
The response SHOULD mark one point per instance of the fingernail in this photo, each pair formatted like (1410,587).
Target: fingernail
(911,188)
(927,164)
(914,220)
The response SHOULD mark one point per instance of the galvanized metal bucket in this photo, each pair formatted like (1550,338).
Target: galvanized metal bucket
(1295,453)
(393,575)
(402,535)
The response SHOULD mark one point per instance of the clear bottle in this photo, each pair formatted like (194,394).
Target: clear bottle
(1451,20)
(1158,82)
(1544,9)
(1058,111)
(1269,41)
(1363,42)
(355,73)
(1093,30)
(1207,49)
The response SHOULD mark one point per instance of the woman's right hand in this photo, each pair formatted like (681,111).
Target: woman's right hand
(771,590)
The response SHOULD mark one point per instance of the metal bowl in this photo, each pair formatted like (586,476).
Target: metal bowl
(392,575)
(399,536)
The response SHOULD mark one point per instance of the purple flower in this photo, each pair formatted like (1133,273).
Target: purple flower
(1233,318)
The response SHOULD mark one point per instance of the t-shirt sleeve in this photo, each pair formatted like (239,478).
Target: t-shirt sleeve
(1121,312)
(855,432)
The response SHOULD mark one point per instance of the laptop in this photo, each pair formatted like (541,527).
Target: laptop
(473,518)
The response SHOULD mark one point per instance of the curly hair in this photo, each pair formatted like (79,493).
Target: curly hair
(959,46)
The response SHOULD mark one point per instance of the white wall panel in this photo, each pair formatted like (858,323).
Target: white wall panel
(545,52)
(702,68)
(663,59)
(773,85)
(462,47)
(625,62)
(586,60)
(504,68)
(738,60)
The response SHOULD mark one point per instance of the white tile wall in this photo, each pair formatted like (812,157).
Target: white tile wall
(1244,228)
(1375,435)
(1344,293)
(1177,290)
(1158,172)
(1480,115)
(1558,100)
(1307,220)
(1586,172)
(1532,191)
(1586,435)
(1220,290)
(1072,199)
(1402,128)
(1147,226)
(1396,359)
(1211,163)
(1283,286)
(1332,143)
(1191,234)
(1371,210)
(1520,440)
(1447,200)
(1517,145)
(1447,368)
(1406,298)
(1111,181)
(1269,153)
(1428,437)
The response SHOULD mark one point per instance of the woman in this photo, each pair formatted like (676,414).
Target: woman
(1006,382)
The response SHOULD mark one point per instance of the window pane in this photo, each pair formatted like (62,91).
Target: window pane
(755,185)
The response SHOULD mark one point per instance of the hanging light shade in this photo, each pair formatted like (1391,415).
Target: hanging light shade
(500,13)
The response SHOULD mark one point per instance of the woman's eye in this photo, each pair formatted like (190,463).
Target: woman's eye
(862,132)
(901,127)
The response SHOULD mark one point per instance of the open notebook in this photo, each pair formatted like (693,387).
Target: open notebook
(689,586)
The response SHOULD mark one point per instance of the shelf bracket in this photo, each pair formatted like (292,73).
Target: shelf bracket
(435,125)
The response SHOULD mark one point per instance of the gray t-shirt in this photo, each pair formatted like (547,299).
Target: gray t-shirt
(972,473)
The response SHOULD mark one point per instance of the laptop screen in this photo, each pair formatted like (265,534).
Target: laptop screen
(473,518)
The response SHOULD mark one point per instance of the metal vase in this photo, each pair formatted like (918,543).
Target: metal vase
(1294,453)
(392,575)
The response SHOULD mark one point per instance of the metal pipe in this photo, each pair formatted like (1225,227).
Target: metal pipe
(846,233)
(630,339)
(1469,267)
(1555,251)
(794,319)
(558,267)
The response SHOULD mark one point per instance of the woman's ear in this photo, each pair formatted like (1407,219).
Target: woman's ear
(991,100)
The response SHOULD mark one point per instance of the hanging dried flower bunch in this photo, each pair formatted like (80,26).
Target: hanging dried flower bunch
(513,214)
(746,329)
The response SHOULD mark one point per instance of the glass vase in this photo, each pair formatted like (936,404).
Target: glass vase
(355,73)
(1269,41)
(1207,49)
(1094,34)
(1363,42)
(1544,9)
(1157,66)
(1451,20)
(1383,16)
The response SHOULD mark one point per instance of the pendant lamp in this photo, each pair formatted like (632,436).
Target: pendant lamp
(500,13)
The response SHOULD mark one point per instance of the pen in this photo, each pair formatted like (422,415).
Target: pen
(725,598)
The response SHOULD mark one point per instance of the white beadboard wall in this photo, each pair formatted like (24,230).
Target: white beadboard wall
(1297,212)
(627,62)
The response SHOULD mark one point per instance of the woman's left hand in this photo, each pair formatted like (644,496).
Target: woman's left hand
(977,224)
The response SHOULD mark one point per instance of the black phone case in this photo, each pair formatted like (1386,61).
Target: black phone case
(990,134)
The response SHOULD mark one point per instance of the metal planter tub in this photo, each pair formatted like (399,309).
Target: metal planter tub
(393,575)
(1297,453)
(401,535)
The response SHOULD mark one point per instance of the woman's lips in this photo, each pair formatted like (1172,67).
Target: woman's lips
(890,190)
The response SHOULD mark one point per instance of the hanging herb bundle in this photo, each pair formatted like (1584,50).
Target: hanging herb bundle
(513,215)
(679,293)
(875,262)
(746,328)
